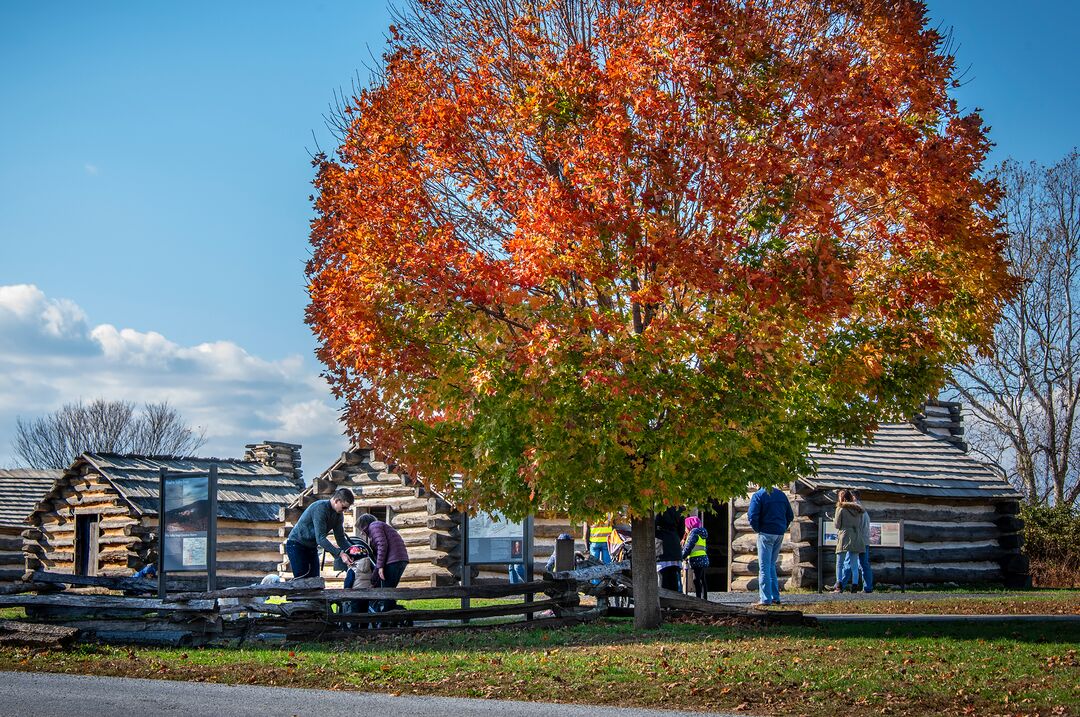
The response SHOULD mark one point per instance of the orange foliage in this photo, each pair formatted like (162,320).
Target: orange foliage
(709,230)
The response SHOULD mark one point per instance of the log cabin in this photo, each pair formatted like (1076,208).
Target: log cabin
(20,490)
(961,523)
(429,524)
(101,516)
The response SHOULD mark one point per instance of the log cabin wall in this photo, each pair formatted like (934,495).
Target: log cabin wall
(961,521)
(946,541)
(84,519)
(429,525)
(742,560)
(12,563)
(21,489)
(100,518)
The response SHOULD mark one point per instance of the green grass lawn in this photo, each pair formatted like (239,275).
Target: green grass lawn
(859,669)
(1047,602)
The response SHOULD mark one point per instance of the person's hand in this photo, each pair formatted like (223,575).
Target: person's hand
(382,575)
(346,558)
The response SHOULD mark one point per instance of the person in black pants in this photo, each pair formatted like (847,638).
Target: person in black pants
(696,554)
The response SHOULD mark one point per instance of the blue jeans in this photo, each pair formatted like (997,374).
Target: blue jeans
(768,551)
(303,560)
(601,553)
(849,568)
(867,573)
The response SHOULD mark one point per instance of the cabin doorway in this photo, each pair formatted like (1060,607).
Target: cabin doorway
(714,518)
(86,544)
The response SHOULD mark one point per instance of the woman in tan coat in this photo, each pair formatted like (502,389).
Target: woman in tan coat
(851,539)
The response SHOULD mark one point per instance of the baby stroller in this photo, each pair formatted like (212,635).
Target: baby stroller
(363,555)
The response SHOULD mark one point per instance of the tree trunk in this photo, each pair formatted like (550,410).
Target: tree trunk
(643,564)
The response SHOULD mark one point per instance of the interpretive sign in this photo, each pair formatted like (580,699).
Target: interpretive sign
(187,515)
(186,522)
(492,539)
(882,535)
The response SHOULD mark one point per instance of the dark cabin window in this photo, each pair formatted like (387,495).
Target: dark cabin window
(86,544)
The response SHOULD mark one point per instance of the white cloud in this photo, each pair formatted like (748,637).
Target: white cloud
(49,356)
(27,306)
(91,169)
(133,347)
(308,418)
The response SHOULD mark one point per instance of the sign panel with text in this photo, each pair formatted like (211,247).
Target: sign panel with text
(185,523)
(493,539)
(882,535)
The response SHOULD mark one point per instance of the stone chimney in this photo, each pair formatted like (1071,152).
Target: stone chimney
(284,457)
(942,419)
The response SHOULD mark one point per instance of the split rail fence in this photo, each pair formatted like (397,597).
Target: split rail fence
(57,615)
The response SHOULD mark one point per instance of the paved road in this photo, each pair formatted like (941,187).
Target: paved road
(31,694)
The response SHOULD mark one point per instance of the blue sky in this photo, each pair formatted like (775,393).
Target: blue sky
(154,175)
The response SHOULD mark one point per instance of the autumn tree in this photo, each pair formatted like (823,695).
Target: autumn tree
(625,254)
(57,439)
(1024,392)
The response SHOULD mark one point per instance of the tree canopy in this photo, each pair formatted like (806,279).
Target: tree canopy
(630,253)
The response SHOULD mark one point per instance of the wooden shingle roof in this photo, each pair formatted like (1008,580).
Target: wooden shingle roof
(247,490)
(904,461)
(20,490)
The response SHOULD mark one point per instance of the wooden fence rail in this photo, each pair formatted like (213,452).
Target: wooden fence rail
(311,612)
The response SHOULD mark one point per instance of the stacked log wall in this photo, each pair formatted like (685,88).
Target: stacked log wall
(49,542)
(946,541)
(12,560)
(742,560)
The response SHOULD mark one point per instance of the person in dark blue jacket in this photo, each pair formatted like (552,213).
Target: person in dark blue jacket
(770,515)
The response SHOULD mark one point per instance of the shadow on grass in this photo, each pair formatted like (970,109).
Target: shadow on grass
(1015,631)
(613,632)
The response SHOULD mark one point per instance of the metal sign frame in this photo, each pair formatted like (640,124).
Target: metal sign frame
(211,528)
(526,545)
(526,558)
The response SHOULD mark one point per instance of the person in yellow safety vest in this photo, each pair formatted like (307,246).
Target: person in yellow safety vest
(695,553)
(596,537)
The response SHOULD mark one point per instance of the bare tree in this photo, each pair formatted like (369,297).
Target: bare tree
(1024,393)
(55,440)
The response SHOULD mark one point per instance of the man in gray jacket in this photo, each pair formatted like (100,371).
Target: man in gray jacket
(316,522)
